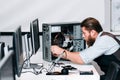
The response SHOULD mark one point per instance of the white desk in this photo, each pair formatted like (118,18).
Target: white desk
(72,75)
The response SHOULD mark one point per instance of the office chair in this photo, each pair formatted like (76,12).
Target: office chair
(113,72)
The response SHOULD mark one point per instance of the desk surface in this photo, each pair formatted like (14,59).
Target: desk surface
(73,75)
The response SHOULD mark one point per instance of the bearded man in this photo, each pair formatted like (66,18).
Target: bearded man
(103,47)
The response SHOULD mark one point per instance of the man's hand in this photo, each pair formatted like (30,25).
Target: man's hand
(56,51)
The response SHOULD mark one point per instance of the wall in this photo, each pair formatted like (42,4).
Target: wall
(21,12)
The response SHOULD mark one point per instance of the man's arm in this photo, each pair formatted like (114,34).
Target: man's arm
(72,56)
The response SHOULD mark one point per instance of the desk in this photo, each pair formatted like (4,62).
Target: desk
(73,75)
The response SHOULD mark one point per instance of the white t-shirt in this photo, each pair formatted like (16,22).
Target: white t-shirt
(103,45)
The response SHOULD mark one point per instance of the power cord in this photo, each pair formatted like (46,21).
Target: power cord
(36,72)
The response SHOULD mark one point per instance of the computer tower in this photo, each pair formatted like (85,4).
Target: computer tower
(65,35)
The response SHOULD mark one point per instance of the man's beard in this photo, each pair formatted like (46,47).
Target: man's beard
(90,41)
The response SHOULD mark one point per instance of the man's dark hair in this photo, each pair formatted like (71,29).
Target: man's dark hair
(91,24)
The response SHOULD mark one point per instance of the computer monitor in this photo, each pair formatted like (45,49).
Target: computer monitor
(32,44)
(2,45)
(18,51)
(6,67)
(34,32)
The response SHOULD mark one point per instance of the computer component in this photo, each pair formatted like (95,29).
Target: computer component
(34,32)
(32,43)
(86,72)
(69,67)
(64,71)
(18,51)
(65,35)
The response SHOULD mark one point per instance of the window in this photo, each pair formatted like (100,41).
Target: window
(115,15)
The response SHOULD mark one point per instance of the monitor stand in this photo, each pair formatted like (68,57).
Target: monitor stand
(32,66)
(27,64)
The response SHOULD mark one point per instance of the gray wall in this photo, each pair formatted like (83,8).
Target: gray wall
(22,12)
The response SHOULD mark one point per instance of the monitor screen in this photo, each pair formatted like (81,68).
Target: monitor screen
(6,67)
(2,45)
(34,31)
(18,51)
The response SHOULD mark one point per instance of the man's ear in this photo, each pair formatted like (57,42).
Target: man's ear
(93,33)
